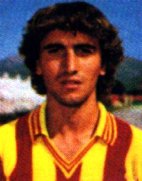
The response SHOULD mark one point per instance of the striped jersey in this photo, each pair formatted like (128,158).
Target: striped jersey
(114,152)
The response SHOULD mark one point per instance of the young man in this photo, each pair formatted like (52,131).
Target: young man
(72,52)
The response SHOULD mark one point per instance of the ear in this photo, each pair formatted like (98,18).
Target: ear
(38,68)
(102,71)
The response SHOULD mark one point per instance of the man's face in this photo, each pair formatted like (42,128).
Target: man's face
(70,65)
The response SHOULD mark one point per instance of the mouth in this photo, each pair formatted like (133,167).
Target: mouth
(70,84)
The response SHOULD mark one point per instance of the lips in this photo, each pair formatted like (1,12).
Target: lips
(70,83)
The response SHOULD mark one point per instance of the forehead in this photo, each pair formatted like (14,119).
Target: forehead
(69,37)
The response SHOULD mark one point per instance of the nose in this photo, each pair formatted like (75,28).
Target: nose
(71,62)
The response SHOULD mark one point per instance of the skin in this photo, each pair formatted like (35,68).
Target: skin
(70,64)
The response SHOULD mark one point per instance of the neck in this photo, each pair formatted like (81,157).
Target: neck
(76,121)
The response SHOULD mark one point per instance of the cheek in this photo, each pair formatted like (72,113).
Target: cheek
(47,64)
(92,70)
(50,74)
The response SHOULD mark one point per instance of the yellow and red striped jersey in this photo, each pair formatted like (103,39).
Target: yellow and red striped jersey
(114,153)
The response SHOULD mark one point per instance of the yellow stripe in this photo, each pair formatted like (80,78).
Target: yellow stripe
(105,133)
(110,131)
(43,163)
(42,119)
(93,163)
(9,156)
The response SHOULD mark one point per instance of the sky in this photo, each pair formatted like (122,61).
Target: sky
(126,15)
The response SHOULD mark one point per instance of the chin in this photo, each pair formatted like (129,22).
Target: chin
(70,101)
(71,104)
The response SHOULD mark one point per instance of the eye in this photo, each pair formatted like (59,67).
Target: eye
(54,48)
(85,49)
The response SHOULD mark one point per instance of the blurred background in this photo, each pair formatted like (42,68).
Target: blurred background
(16,95)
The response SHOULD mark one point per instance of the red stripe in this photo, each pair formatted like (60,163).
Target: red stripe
(38,121)
(33,124)
(23,168)
(2,176)
(75,176)
(116,154)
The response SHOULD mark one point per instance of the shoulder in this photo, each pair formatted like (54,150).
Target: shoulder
(8,127)
(12,124)
(22,123)
(7,130)
(7,134)
(136,136)
(126,129)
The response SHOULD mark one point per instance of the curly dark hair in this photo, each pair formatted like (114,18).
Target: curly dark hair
(73,16)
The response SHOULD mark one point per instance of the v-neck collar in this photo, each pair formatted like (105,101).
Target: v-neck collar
(106,130)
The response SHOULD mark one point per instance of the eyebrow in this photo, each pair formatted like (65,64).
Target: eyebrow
(52,45)
(86,45)
(78,45)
